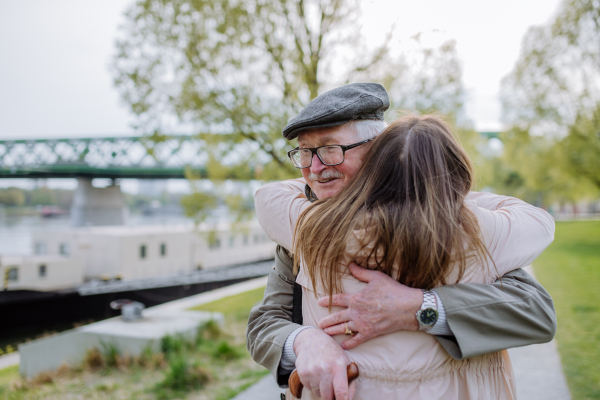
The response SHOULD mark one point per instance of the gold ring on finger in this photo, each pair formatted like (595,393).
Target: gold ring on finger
(348,331)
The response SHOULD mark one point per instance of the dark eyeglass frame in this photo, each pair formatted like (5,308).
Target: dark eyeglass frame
(315,150)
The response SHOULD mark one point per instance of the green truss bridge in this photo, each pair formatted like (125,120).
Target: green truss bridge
(142,157)
(148,157)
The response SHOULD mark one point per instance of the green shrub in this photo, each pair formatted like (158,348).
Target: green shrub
(181,377)
(225,351)
(150,359)
(173,344)
(110,354)
(209,331)
(103,387)
(93,359)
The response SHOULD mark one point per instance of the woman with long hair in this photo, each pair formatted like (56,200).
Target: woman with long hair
(410,213)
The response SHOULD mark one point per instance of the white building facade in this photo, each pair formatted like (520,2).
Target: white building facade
(120,252)
(40,272)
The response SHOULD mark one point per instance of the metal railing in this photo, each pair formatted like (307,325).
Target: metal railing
(153,157)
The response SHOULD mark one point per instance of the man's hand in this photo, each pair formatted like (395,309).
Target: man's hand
(383,306)
(321,364)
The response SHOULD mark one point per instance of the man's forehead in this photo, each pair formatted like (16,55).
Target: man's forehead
(343,134)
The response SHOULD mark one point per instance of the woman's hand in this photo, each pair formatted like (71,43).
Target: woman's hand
(383,306)
(321,365)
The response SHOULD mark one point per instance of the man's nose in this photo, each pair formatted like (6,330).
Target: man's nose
(317,166)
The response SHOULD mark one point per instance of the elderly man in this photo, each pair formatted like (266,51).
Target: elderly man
(472,319)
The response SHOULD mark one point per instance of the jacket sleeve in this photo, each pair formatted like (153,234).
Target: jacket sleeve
(270,322)
(514,311)
(278,207)
(515,233)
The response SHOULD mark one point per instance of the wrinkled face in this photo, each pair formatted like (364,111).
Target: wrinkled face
(326,180)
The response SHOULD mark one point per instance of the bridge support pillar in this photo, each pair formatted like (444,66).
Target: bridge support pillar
(97,206)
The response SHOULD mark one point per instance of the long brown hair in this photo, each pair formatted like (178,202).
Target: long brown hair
(409,197)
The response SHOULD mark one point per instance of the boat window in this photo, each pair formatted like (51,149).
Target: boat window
(64,249)
(42,271)
(12,274)
(215,244)
(163,249)
(143,251)
(40,248)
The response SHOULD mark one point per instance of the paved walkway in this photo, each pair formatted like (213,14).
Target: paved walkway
(539,373)
(265,389)
(538,370)
(10,359)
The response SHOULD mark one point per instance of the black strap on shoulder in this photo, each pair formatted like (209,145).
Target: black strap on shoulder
(284,260)
(297,305)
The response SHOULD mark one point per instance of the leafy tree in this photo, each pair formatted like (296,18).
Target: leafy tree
(551,99)
(235,71)
(238,69)
(427,79)
(43,197)
(558,72)
(532,167)
(12,196)
(582,147)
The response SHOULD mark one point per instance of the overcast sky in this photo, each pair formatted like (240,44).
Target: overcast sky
(55,56)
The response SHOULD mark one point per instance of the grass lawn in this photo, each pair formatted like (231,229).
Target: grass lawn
(237,306)
(8,375)
(570,270)
(216,366)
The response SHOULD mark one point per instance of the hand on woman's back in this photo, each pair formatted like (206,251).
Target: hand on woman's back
(321,365)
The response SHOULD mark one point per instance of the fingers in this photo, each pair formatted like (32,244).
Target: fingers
(306,383)
(352,390)
(362,274)
(340,385)
(340,329)
(326,390)
(354,341)
(319,359)
(337,300)
(334,319)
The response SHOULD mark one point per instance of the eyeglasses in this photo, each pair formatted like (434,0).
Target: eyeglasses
(329,155)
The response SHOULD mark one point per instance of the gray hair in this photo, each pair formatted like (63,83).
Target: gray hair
(367,128)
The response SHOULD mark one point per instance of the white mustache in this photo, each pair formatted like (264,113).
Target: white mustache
(326,174)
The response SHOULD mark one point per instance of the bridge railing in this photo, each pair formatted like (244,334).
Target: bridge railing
(109,157)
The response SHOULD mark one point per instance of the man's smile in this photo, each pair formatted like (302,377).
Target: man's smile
(325,177)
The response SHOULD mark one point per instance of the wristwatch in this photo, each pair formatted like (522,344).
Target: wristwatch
(428,314)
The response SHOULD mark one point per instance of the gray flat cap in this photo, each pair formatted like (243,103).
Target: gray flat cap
(338,106)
